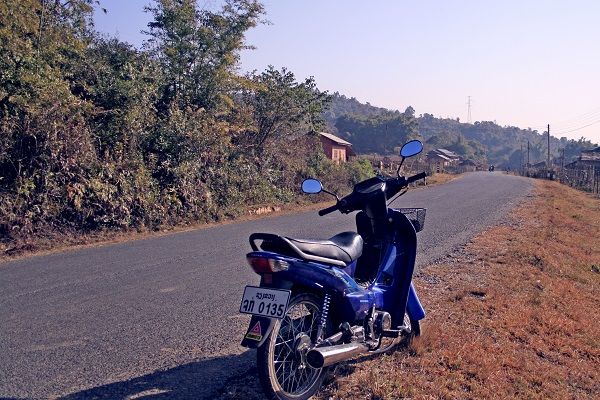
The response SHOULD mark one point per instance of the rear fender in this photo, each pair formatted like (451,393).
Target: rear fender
(258,331)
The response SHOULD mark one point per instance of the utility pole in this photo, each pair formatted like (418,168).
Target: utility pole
(562,165)
(528,153)
(469,109)
(548,163)
(521,170)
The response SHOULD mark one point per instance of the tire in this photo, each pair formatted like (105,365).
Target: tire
(415,329)
(389,344)
(282,369)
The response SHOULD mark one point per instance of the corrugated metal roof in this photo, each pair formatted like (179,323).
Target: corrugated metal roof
(335,138)
(447,153)
(590,157)
(435,154)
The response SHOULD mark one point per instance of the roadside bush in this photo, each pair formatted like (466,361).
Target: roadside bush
(360,169)
(337,178)
(96,135)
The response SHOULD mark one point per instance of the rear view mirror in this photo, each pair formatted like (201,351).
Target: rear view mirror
(411,148)
(312,186)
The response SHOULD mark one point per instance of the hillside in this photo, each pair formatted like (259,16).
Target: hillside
(378,130)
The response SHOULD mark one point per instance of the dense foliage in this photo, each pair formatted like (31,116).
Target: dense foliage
(95,134)
(483,141)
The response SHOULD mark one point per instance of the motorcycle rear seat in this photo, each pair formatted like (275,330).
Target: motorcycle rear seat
(341,249)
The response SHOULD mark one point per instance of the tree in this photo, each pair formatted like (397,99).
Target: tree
(198,50)
(283,107)
(45,143)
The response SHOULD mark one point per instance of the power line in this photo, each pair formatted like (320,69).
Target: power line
(579,128)
(573,122)
(589,119)
(584,115)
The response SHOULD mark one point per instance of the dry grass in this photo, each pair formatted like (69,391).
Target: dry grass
(440,178)
(514,315)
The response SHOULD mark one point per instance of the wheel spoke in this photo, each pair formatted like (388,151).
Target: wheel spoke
(284,342)
(312,322)
(287,344)
(292,382)
(282,366)
(286,378)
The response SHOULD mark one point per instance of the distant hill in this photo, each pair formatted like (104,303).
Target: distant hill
(342,105)
(374,129)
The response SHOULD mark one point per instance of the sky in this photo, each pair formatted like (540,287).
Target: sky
(524,63)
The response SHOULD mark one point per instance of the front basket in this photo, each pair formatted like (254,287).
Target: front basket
(416,216)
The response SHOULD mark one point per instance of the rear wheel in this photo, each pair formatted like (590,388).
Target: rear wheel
(282,367)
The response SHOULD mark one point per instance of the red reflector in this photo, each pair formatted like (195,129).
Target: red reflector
(260,265)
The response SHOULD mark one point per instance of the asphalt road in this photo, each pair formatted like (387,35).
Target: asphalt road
(159,317)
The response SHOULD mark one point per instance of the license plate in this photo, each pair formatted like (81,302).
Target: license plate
(265,302)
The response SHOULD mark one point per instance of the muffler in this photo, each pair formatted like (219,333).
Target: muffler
(325,356)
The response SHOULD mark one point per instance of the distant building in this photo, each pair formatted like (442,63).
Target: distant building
(590,157)
(440,160)
(539,170)
(466,166)
(571,165)
(584,173)
(336,148)
(450,154)
(541,165)
(383,162)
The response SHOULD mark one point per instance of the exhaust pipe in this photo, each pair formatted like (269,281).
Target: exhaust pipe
(325,356)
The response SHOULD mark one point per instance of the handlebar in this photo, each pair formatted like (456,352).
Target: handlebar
(394,185)
(416,177)
(328,210)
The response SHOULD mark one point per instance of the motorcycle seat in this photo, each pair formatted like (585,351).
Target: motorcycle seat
(341,249)
(345,246)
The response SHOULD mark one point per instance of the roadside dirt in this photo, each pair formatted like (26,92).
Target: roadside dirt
(76,241)
(514,314)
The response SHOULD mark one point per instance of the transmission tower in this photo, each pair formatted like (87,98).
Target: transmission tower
(469,109)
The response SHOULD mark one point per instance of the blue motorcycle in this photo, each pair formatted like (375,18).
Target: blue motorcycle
(321,302)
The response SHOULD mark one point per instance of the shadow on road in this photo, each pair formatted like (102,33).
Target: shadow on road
(223,377)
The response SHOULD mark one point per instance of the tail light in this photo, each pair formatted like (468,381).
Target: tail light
(262,265)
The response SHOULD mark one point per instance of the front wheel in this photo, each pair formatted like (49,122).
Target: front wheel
(414,328)
(282,368)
